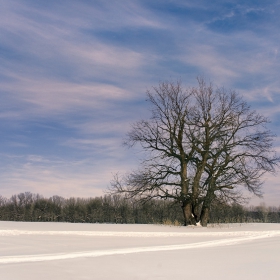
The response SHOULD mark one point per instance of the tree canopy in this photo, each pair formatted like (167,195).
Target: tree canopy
(202,144)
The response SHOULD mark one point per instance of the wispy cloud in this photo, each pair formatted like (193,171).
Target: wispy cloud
(50,96)
(54,64)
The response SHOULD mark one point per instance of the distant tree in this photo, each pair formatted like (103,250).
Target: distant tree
(119,209)
(202,145)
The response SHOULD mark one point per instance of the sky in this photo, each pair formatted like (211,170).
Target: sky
(73,78)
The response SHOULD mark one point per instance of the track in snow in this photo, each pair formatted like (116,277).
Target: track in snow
(242,237)
(134,234)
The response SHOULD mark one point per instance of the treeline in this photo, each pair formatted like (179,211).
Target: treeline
(117,209)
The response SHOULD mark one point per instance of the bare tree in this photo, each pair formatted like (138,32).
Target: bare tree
(202,145)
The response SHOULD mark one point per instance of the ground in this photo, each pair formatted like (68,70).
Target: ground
(105,251)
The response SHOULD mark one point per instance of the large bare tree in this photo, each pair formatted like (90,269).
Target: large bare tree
(202,144)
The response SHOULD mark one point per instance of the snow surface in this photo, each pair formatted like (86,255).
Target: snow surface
(105,251)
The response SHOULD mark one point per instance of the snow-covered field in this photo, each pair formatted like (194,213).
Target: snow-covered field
(104,251)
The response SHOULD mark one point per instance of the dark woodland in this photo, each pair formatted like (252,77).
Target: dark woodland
(30,207)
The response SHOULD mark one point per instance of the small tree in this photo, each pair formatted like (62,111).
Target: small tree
(202,145)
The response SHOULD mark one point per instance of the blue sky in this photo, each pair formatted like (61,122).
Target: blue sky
(73,77)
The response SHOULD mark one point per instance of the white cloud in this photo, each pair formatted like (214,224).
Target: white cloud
(50,96)
(110,125)
(56,176)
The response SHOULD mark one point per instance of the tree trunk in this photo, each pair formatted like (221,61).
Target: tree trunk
(189,218)
(204,218)
(195,211)
(205,211)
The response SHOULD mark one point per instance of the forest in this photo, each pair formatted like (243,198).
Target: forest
(118,209)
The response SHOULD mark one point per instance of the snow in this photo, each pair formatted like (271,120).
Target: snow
(105,251)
